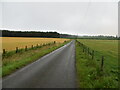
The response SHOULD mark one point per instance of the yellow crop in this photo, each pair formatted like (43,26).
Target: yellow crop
(10,43)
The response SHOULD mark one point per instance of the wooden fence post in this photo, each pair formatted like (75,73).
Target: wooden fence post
(37,45)
(16,49)
(49,44)
(83,49)
(4,51)
(102,63)
(92,54)
(25,48)
(64,41)
(32,46)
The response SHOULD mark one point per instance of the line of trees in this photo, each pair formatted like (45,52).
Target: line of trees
(100,37)
(7,33)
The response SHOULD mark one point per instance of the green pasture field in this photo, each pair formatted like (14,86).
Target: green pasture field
(89,71)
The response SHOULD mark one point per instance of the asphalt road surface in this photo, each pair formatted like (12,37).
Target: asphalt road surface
(54,70)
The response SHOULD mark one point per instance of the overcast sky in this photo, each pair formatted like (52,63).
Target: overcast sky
(82,18)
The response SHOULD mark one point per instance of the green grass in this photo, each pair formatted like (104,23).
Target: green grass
(19,60)
(88,70)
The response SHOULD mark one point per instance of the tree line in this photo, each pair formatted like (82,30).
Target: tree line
(7,33)
(101,37)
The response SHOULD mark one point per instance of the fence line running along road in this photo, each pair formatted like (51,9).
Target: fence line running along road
(86,50)
(17,50)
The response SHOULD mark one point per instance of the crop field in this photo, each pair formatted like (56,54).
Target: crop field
(12,60)
(88,70)
(10,43)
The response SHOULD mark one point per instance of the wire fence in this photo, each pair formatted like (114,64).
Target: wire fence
(91,53)
(18,50)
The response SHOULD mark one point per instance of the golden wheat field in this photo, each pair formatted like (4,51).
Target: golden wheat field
(10,43)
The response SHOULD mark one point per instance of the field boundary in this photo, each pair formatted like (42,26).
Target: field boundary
(91,52)
(18,50)
(96,67)
(15,65)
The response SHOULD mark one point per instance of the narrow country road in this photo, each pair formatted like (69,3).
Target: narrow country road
(54,70)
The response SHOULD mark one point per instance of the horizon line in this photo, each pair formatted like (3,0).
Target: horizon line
(58,32)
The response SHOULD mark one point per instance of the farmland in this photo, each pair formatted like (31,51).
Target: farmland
(88,70)
(89,73)
(13,61)
(10,43)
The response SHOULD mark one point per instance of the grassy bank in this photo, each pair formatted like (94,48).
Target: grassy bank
(89,72)
(18,60)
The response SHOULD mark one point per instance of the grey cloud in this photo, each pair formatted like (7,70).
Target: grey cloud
(65,17)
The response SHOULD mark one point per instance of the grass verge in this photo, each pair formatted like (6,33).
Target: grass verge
(89,74)
(19,60)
